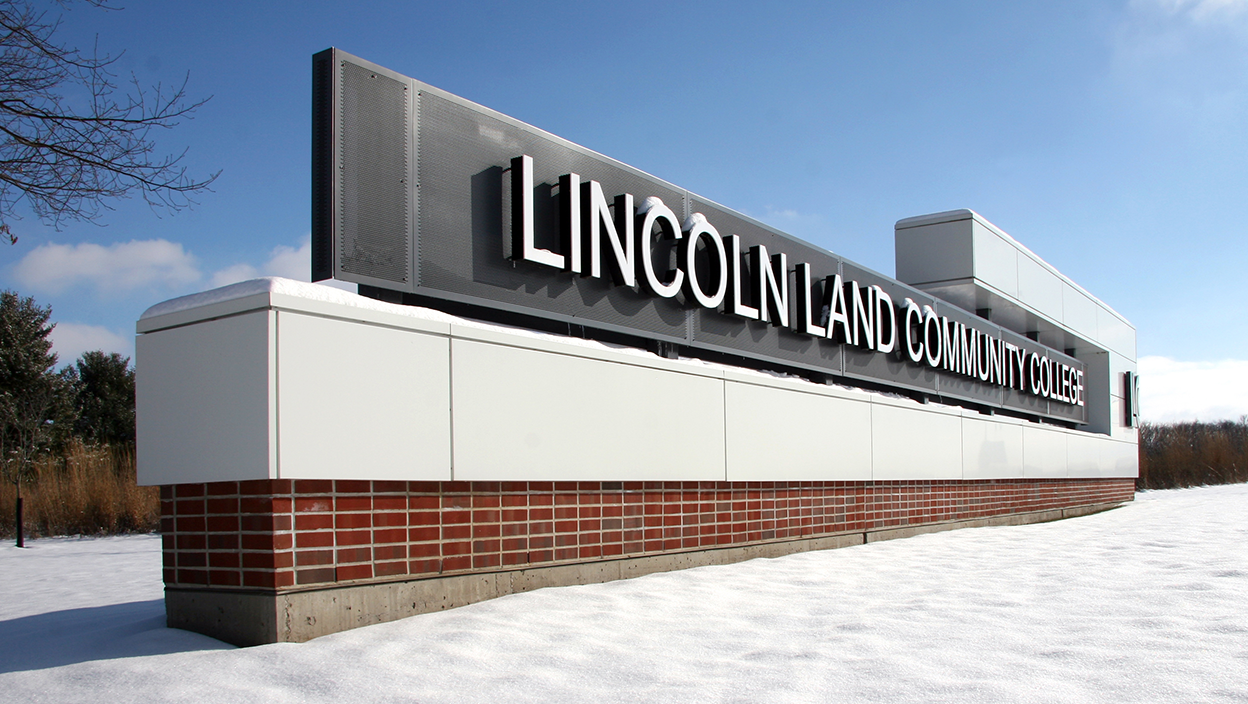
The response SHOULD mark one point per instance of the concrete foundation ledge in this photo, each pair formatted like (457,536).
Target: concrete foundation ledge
(252,617)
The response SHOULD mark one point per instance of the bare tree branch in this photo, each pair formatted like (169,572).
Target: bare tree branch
(66,164)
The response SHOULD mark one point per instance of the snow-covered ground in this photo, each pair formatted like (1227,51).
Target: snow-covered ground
(1147,603)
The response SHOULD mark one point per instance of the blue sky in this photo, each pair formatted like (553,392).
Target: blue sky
(1111,138)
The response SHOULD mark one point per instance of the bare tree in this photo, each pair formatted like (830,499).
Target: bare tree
(66,158)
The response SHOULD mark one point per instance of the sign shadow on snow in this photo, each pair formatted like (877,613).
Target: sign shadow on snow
(98,633)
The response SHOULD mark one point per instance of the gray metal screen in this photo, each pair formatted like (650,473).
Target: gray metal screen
(412,194)
(465,226)
(374,218)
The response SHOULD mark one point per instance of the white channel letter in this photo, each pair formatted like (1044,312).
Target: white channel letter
(912,320)
(697,228)
(1033,374)
(734,304)
(522,244)
(771,290)
(1020,366)
(838,310)
(931,322)
(650,213)
(601,222)
(864,317)
(951,343)
(884,302)
(969,354)
(805,308)
(570,226)
(983,366)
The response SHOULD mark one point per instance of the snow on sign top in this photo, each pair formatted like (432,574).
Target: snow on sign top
(325,294)
(268,284)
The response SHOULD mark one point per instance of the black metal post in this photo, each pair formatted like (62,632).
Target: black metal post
(21,541)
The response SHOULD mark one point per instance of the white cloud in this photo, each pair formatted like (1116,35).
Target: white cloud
(124,266)
(1184,60)
(70,340)
(149,264)
(233,274)
(780,217)
(286,262)
(1172,391)
(1199,10)
(291,263)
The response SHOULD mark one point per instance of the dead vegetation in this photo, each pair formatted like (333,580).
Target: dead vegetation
(86,490)
(1193,454)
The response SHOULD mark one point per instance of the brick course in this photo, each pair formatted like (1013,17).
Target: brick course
(273,535)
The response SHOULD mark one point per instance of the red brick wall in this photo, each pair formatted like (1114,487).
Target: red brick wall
(283,533)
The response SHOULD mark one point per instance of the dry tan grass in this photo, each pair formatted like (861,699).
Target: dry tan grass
(1193,454)
(86,491)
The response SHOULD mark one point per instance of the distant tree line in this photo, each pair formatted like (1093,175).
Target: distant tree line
(1193,454)
(42,409)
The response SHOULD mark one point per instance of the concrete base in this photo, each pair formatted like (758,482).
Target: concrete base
(249,617)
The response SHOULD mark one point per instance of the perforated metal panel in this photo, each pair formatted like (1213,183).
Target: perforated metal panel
(889,369)
(728,333)
(422,203)
(957,386)
(1066,411)
(375,210)
(1018,400)
(323,169)
(465,231)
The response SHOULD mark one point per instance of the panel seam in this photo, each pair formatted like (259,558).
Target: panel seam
(450,401)
(277,395)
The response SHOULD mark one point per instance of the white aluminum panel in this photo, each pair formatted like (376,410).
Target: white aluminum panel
(1115,334)
(203,395)
(1083,455)
(533,415)
(285,294)
(576,347)
(1044,452)
(1121,459)
(1079,312)
(362,401)
(207,311)
(1125,434)
(915,443)
(996,261)
(777,434)
(934,252)
(788,383)
(1039,288)
(1099,456)
(374,312)
(991,449)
